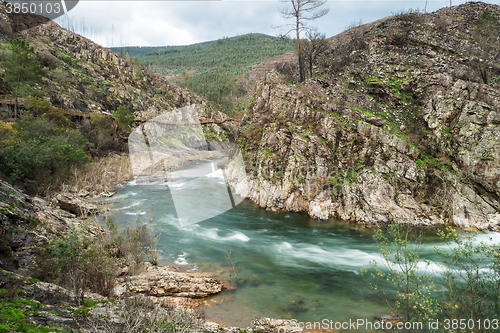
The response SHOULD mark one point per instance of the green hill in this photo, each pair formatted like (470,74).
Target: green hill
(211,69)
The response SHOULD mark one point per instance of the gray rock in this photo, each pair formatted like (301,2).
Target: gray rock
(76,205)
(375,121)
(163,282)
(270,325)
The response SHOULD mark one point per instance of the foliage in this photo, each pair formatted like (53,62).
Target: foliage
(82,262)
(23,69)
(218,86)
(469,281)
(124,117)
(76,261)
(213,69)
(37,153)
(472,276)
(101,132)
(39,107)
(138,71)
(16,313)
(227,53)
(401,250)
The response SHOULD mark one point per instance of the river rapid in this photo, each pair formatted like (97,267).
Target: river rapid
(282,265)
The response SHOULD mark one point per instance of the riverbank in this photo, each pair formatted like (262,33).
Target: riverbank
(38,223)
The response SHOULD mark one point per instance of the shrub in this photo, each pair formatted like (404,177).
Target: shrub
(124,117)
(472,276)
(469,280)
(102,174)
(140,314)
(101,136)
(401,250)
(77,262)
(38,154)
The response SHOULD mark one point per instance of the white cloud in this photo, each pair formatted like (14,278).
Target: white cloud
(158,23)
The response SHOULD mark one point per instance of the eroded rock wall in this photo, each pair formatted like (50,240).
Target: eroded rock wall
(329,162)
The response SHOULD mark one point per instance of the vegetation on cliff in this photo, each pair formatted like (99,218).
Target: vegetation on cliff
(72,100)
(397,123)
(215,70)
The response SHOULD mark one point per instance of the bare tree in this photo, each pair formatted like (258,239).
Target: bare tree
(301,11)
(313,47)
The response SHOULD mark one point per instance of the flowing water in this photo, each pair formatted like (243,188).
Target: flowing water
(282,265)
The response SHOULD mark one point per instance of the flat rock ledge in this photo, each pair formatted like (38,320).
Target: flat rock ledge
(164,281)
(75,205)
(270,325)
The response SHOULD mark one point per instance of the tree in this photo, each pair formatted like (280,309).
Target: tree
(313,47)
(401,250)
(124,117)
(302,10)
(22,69)
(485,32)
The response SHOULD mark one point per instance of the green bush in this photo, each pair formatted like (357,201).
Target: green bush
(468,285)
(124,117)
(472,276)
(76,261)
(401,250)
(81,262)
(38,154)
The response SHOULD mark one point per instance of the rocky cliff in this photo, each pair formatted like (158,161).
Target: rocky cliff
(400,122)
(83,78)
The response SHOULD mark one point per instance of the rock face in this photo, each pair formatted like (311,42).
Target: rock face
(163,282)
(26,221)
(401,127)
(83,78)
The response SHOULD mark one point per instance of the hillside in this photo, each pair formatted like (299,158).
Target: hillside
(217,70)
(400,123)
(67,89)
(67,108)
(236,54)
(81,76)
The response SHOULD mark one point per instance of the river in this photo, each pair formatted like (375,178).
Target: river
(283,265)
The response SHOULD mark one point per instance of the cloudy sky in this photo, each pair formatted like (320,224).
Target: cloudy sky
(167,22)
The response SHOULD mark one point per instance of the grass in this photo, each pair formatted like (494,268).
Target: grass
(16,314)
(101,175)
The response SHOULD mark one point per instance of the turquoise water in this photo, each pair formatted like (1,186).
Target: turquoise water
(281,265)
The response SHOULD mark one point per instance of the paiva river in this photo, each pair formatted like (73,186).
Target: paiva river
(283,265)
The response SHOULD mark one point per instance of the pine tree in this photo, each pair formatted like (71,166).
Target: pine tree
(23,70)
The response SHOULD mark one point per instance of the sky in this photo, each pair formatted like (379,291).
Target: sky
(167,22)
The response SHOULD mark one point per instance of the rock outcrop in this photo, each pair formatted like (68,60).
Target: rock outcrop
(400,126)
(75,205)
(161,282)
(83,79)
(27,221)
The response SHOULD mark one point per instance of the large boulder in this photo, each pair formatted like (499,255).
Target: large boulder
(164,282)
(76,205)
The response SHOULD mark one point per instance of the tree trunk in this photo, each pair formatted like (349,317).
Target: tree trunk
(17,94)
(301,65)
(310,66)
